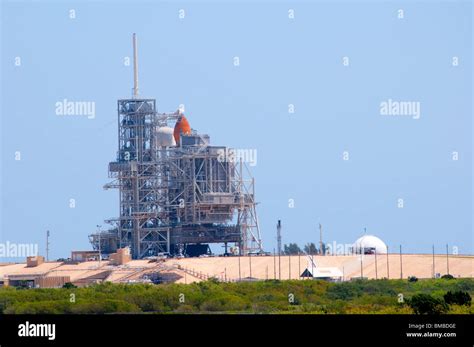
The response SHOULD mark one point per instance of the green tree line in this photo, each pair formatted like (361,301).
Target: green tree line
(294,296)
(309,248)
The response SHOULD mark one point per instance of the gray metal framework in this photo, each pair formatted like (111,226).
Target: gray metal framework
(176,195)
(172,196)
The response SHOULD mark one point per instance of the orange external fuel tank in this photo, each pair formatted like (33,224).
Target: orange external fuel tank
(181,127)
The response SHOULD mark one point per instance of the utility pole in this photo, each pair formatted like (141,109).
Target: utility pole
(401,263)
(299,264)
(240,276)
(321,250)
(250,264)
(47,245)
(447,259)
(388,266)
(274,265)
(100,247)
(361,267)
(279,248)
(376,274)
(289,266)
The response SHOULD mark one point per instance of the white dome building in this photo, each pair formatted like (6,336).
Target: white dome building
(369,244)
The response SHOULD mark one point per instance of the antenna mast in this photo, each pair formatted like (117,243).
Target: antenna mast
(135,66)
(279,236)
(279,248)
(47,245)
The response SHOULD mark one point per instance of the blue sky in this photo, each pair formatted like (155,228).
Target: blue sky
(282,61)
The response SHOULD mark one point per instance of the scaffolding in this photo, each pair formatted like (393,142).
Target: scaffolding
(174,194)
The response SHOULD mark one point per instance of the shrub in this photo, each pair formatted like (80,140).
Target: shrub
(69,285)
(315,296)
(184,309)
(106,306)
(224,302)
(448,277)
(214,280)
(269,307)
(426,304)
(457,309)
(458,298)
(344,291)
(41,307)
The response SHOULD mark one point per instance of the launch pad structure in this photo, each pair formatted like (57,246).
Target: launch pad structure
(177,192)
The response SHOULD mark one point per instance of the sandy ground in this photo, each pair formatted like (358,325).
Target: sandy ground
(269,267)
(259,267)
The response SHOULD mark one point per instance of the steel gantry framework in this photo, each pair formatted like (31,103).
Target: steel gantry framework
(174,194)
